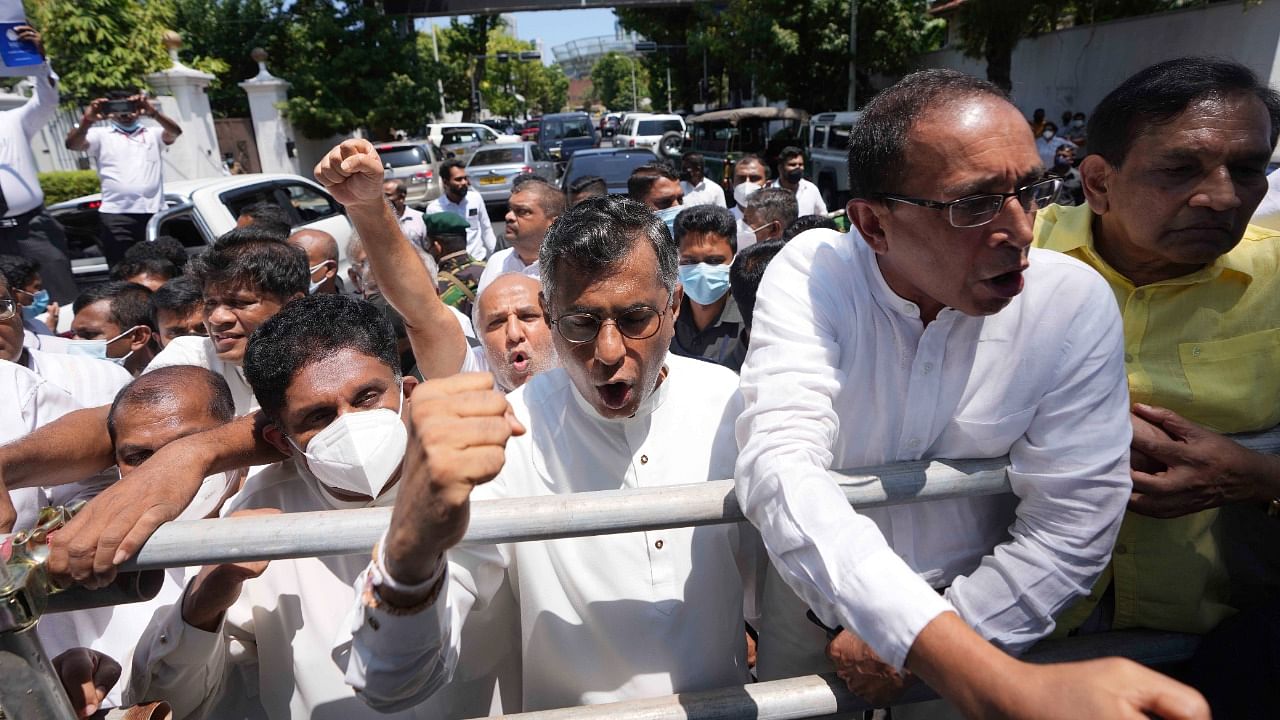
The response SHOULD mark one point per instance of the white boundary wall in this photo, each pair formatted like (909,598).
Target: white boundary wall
(1075,68)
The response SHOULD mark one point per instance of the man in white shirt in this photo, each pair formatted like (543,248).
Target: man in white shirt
(128,158)
(530,211)
(461,199)
(32,402)
(912,338)
(698,189)
(114,320)
(25,228)
(1048,142)
(604,618)
(411,221)
(252,639)
(791,177)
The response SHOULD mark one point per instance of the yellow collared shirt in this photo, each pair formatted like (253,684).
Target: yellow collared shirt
(1206,345)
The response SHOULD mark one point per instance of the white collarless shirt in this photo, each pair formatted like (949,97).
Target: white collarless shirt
(480,237)
(200,351)
(503,262)
(18,172)
(130,168)
(604,618)
(808,198)
(30,402)
(842,374)
(271,658)
(704,193)
(90,381)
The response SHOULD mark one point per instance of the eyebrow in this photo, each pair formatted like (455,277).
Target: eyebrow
(305,410)
(581,309)
(989,184)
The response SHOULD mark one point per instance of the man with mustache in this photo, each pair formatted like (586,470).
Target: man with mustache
(1178,162)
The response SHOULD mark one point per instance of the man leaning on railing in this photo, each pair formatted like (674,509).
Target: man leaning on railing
(930,331)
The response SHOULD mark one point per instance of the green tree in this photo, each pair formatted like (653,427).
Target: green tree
(611,81)
(459,66)
(542,88)
(101,45)
(218,36)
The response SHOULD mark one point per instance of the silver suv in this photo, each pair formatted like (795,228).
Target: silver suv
(829,155)
(416,163)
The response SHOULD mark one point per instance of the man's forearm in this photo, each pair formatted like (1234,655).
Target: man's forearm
(1263,475)
(961,666)
(171,128)
(238,444)
(437,339)
(67,450)
(76,139)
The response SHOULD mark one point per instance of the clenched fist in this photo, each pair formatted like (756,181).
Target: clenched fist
(352,173)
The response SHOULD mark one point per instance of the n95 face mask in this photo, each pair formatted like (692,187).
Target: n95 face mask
(358,452)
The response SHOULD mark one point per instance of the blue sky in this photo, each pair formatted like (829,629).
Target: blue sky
(555,27)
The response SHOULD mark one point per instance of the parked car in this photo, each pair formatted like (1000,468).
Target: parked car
(612,164)
(493,167)
(460,140)
(197,212)
(530,130)
(723,136)
(560,135)
(502,126)
(829,155)
(664,134)
(609,123)
(416,163)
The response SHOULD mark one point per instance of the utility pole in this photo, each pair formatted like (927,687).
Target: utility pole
(435,48)
(853,55)
(668,83)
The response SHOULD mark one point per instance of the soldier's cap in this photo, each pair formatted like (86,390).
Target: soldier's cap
(445,223)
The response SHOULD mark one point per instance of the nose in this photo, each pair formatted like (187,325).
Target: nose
(1017,223)
(510,217)
(515,331)
(221,315)
(609,347)
(1217,191)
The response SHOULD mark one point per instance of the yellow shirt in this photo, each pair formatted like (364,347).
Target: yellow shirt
(1206,345)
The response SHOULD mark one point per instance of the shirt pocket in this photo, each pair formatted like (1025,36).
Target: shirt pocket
(1235,383)
(983,435)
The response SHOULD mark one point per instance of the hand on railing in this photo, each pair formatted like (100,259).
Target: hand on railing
(1105,689)
(862,670)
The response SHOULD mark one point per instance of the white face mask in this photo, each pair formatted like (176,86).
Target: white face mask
(1047,134)
(313,286)
(743,191)
(358,452)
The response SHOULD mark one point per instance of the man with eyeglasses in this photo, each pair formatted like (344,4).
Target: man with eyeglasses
(603,618)
(930,331)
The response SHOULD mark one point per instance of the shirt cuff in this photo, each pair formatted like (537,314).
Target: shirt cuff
(180,644)
(896,604)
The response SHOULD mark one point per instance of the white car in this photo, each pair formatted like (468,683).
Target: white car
(197,212)
(829,155)
(460,140)
(663,134)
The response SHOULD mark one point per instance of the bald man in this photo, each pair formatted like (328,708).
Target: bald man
(322,259)
(515,340)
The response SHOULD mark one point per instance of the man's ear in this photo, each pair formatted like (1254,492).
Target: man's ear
(141,336)
(866,216)
(332,272)
(677,299)
(409,382)
(1095,176)
(275,436)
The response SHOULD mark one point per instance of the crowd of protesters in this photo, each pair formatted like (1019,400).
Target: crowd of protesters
(1103,321)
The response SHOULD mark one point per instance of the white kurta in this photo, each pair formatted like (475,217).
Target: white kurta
(19,181)
(130,168)
(271,658)
(704,193)
(200,351)
(30,402)
(808,198)
(842,374)
(603,618)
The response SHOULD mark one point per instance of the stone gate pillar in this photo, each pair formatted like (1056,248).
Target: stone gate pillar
(271,128)
(182,97)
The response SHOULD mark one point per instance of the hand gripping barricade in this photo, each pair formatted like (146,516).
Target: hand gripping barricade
(29,690)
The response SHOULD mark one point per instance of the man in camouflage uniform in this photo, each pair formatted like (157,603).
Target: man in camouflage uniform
(459,272)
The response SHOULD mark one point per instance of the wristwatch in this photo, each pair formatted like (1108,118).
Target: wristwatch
(377,578)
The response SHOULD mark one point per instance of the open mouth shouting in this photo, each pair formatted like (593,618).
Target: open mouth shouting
(616,395)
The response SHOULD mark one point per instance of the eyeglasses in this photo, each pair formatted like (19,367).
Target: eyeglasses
(976,210)
(7,308)
(637,324)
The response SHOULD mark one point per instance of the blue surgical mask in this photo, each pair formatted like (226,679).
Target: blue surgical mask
(128,129)
(703,283)
(39,303)
(98,348)
(668,216)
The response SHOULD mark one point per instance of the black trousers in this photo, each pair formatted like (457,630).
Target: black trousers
(43,240)
(120,230)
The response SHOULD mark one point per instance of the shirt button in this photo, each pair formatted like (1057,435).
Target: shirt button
(644,459)
(1121,549)
(658,544)
(1128,358)
(928,368)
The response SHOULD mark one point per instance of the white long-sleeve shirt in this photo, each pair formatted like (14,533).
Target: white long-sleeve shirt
(603,618)
(271,657)
(18,172)
(30,402)
(842,374)
(480,238)
(808,198)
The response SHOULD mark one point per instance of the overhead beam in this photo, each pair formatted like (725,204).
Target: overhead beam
(439,8)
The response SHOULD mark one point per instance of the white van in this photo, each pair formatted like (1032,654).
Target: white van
(663,134)
(829,155)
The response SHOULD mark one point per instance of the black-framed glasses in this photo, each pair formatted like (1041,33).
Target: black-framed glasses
(638,323)
(975,210)
(8,307)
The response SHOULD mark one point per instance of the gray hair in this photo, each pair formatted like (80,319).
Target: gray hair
(601,231)
(355,245)
(775,204)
